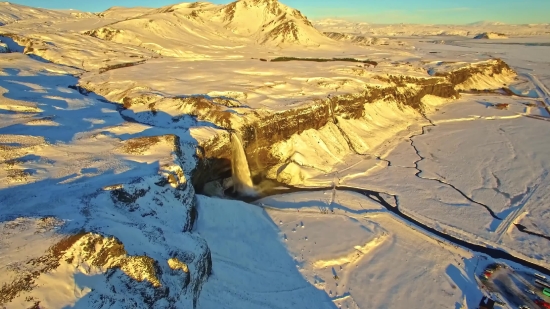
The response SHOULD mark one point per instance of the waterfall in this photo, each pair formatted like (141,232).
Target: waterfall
(256,157)
(242,181)
(335,180)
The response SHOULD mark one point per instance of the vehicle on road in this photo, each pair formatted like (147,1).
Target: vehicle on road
(541,277)
(494,266)
(530,291)
(542,283)
(524,307)
(546,291)
(542,303)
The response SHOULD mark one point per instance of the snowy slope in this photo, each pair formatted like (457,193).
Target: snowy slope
(363,40)
(120,13)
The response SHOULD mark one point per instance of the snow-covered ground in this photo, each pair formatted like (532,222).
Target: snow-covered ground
(251,267)
(105,120)
(363,256)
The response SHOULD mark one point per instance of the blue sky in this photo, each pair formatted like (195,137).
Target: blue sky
(374,11)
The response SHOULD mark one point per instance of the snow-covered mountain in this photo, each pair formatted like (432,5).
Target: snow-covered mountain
(269,22)
(178,30)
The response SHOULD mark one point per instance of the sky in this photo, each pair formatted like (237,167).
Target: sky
(372,11)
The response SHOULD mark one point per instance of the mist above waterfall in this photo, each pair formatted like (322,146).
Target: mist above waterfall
(242,180)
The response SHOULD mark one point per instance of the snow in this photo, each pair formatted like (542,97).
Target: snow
(252,83)
(119,12)
(103,118)
(502,169)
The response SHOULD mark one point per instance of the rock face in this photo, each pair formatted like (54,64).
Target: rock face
(478,76)
(260,136)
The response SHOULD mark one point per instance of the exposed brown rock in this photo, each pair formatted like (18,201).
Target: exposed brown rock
(501,106)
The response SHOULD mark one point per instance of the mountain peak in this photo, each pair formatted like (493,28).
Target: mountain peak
(258,2)
(269,21)
(272,7)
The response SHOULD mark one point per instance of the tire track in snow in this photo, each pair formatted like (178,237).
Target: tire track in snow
(504,226)
(541,89)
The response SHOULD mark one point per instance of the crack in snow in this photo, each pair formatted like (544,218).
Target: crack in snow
(432,124)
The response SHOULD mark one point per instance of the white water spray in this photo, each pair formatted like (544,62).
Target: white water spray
(335,181)
(242,181)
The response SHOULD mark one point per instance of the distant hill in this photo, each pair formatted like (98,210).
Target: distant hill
(487,23)
(11,12)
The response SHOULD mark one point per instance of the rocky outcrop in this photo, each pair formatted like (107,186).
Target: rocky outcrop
(478,76)
(134,246)
(490,36)
(261,129)
(104,33)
